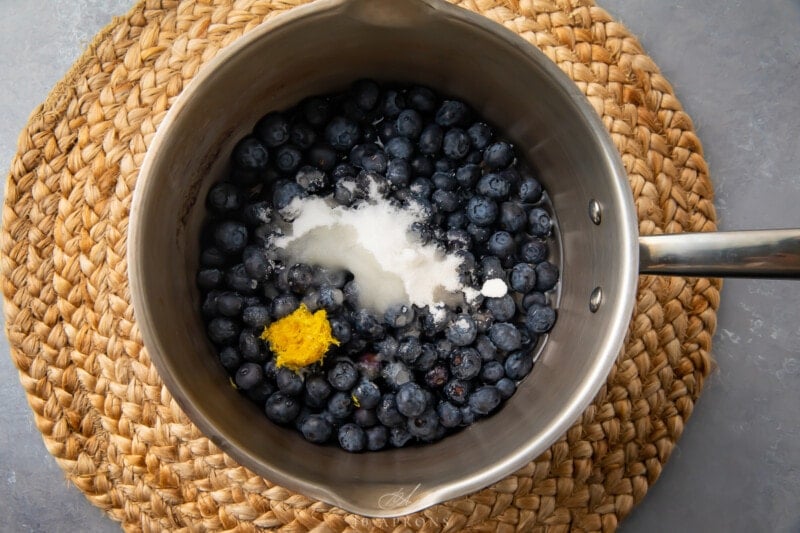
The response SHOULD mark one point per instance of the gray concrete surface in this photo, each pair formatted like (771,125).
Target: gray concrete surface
(735,65)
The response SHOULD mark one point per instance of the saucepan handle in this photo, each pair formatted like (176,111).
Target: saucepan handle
(726,254)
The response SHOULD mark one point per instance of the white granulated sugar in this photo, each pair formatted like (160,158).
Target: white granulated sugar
(494,288)
(372,241)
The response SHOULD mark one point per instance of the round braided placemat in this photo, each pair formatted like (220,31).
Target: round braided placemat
(104,413)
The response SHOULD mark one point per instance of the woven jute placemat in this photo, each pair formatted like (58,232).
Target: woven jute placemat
(113,427)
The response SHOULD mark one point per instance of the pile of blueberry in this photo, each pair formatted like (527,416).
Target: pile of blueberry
(409,376)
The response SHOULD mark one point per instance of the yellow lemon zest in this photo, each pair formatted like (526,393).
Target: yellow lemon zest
(300,339)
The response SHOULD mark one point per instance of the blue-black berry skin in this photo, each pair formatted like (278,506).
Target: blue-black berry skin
(452,113)
(482,210)
(518,365)
(289,382)
(480,134)
(492,372)
(225,197)
(343,376)
(387,412)
(230,358)
(506,387)
(410,400)
(283,305)
(546,276)
(484,400)
(498,155)
(455,144)
(465,363)
(282,408)
(449,414)
(377,437)
(494,186)
(424,426)
(230,236)
(317,391)
(223,330)
(539,221)
(209,278)
(422,99)
(409,124)
(342,133)
(340,405)
(533,251)
(530,190)
(285,192)
(540,319)
(462,331)
(250,154)
(399,436)
(352,438)
(523,277)
(367,394)
(272,129)
(316,429)
(502,308)
(248,376)
(512,217)
(501,244)
(430,140)
(505,336)
(456,391)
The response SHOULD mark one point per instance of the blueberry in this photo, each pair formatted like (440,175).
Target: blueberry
(224,197)
(272,129)
(546,276)
(344,192)
(518,365)
(422,165)
(522,278)
(366,394)
(437,376)
(492,372)
(248,376)
(317,391)
(289,382)
(409,350)
(398,315)
(457,220)
(393,103)
(498,155)
(256,262)
(343,376)
(505,336)
(455,144)
(367,325)
(467,416)
(333,277)
(481,210)
(409,124)
(457,391)
(316,111)
(399,437)
(462,330)
(261,392)
(330,298)
(288,158)
(486,348)
(250,154)
(445,180)
(342,133)
(387,347)
(209,278)
(302,135)
(422,99)
(340,329)
(387,412)
(270,370)
(458,240)
(352,438)
(257,213)
(449,414)
(230,358)
(285,192)
(451,113)
(479,234)
(533,298)
(533,251)
(311,179)
(540,319)
(365,417)
(424,426)
(230,236)
(465,363)
(422,187)
(236,278)
(316,429)
(398,172)
(213,257)
(322,156)
(506,388)
(283,305)
(430,140)
(468,175)
(502,308)
(377,437)
(480,134)
(300,277)
(366,94)
(540,222)
(512,217)
(350,291)
(446,201)
(410,399)
(399,147)
(494,186)
(501,244)
(492,268)
(282,408)
(530,190)
(427,358)
(340,405)
(250,346)
(484,400)
(223,330)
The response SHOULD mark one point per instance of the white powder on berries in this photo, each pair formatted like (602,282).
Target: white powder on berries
(494,288)
(372,241)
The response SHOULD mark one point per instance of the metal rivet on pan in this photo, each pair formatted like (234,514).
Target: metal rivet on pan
(595,211)
(595,299)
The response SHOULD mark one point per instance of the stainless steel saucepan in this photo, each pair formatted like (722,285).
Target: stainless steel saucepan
(323,47)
